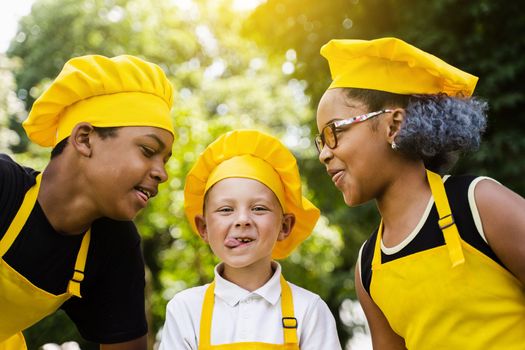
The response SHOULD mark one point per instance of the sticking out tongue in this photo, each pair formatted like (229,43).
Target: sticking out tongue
(232,242)
(142,195)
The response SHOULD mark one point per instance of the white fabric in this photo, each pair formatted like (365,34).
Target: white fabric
(474,206)
(241,316)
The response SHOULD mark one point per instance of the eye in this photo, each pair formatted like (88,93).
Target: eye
(148,151)
(224,210)
(260,208)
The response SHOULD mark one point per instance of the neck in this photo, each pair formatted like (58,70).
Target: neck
(403,202)
(250,277)
(64,201)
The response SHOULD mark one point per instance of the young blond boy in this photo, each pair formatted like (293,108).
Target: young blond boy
(243,197)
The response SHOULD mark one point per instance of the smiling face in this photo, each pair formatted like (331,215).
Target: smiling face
(122,172)
(242,222)
(355,165)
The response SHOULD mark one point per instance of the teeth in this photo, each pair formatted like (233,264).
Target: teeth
(145,192)
(244,240)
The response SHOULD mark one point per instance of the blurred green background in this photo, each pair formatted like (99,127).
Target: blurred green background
(256,64)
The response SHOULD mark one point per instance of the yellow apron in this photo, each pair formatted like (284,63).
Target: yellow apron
(451,297)
(22,304)
(289,323)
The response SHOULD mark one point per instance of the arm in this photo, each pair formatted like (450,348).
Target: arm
(135,344)
(179,330)
(502,214)
(383,337)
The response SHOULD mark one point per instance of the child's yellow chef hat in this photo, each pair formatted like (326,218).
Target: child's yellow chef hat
(105,92)
(254,155)
(390,64)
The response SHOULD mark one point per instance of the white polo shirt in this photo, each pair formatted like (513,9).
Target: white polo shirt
(242,316)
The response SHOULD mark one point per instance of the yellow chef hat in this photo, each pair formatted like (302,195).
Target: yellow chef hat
(390,64)
(105,92)
(254,155)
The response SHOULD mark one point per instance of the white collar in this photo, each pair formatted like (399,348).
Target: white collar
(232,294)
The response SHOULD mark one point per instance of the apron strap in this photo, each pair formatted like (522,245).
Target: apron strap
(289,321)
(21,216)
(206,316)
(446,220)
(446,224)
(80,264)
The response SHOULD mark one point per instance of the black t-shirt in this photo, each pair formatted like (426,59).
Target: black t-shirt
(111,309)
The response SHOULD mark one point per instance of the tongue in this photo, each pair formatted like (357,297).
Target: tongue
(143,196)
(231,242)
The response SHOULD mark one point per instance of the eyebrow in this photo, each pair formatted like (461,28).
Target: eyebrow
(156,138)
(159,141)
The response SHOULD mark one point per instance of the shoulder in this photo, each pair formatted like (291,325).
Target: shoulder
(364,261)
(190,296)
(186,304)
(306,301)
(16,174)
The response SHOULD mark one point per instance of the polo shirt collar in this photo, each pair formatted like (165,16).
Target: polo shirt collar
(232,294)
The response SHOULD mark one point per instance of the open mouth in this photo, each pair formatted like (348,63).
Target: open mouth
(244,240)
(145,194)
(234,242)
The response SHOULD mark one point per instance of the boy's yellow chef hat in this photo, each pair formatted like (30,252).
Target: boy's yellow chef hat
(105,92)
(254,155)
(390,64)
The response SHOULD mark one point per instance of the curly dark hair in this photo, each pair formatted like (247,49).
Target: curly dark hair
(437,128)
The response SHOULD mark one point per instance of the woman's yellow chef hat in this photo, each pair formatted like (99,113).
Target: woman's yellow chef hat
(390,64)
(105,92)
(254,155)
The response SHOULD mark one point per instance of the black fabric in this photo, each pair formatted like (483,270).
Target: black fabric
(111,309)
(430,235)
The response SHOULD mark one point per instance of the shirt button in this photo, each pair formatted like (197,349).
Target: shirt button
(245,315)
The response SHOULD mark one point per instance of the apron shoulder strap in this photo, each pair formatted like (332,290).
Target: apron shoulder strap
(446,220)
(289,321)
(21,216)
(73,286)
(206,316)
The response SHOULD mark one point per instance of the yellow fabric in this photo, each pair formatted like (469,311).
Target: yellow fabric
(446,220)
(290,334)
(16,342)
(22,304)
(106,92)
(390,64)
(250,167)
(239,143)
(474,305)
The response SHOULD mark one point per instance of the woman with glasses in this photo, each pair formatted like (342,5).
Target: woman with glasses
(446,267)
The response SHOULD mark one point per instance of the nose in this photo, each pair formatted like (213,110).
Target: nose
(159,172)
(242,219)
(325,155)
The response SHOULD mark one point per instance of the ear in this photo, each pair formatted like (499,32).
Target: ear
(394,122)
(200,222)
(81,138)
(286,226)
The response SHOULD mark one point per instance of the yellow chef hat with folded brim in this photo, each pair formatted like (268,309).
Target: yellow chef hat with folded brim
(105,92)
(392,65)
(254,155)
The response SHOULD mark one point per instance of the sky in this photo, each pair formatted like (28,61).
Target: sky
(10,13)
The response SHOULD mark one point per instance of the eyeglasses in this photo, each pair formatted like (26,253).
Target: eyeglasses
(328,134)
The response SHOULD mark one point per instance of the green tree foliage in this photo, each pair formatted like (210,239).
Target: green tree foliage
(481,37)
(221,81)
